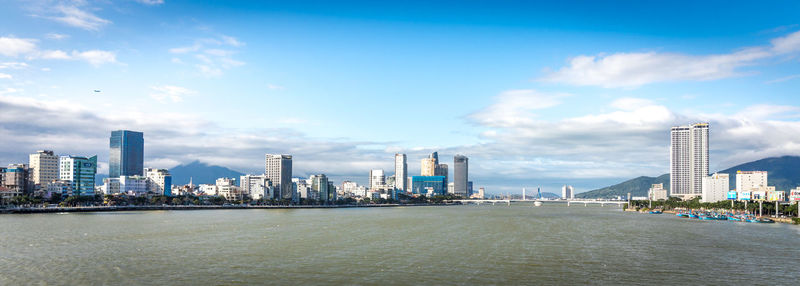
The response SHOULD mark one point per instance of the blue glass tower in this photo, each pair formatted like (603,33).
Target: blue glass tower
(127,154)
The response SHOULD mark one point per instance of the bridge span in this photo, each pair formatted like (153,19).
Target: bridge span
(602,203)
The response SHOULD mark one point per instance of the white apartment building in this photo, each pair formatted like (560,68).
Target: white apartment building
(715,188)
(400,171)
(567,192)
(207,189)
(750,180)
(278,169)
(132,185)
(256,186)
(44,167)
(688,160)
(376,178)
(159,181)
(657,192)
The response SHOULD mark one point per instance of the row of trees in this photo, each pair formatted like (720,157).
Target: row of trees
(752,207)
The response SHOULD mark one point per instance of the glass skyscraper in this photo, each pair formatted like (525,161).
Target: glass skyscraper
(127,154)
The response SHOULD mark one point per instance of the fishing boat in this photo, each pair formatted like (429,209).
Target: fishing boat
(694,215)
(656,212)
(761,220)
(682,214)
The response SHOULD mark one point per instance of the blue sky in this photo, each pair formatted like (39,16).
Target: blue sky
(545,93)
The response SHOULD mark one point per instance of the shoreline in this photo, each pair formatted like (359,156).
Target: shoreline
(194,207)
(776,219)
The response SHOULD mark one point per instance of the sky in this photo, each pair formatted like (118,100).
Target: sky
(534,93)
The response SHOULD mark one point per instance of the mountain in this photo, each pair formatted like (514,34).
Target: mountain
(200,173)
(784,174)
(638,187)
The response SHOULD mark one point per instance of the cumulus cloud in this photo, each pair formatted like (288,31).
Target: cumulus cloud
(170,92)
(515,107)
(636,69)
(16,47)
(631,139)
(12,46)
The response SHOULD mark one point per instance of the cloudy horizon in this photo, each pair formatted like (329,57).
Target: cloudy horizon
(541,95)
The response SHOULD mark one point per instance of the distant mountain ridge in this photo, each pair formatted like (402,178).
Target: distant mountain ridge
(784,174)
(201,173)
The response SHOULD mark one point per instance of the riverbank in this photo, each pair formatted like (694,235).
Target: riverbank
(192,207)
(776,219)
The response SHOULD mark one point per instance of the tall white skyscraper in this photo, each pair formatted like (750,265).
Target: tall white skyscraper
(44,167)
(688,160)
(278,169)
(400,171)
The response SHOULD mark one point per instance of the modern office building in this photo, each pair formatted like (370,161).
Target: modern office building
(428,185)
(376,179)
(278,169)
(451,188)
(442,170)
(132,185)
(324,188)
(750,180)
(688,160)
(44,167)
(127,154)
(400,172)
(80,171)
(567,192)
(461,176)
(256,186)
(715,188)
(159,181)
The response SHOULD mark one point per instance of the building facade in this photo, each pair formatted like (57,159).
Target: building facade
(127,154)
(750,180)
(80,171)
(428,185)
(567,192)
(715,188)
(256,186)
(657,192)
(400,172)
(461,176)
(44,167)
(278,169)
(159,181)
(16,179)
(376,178)
(688,160)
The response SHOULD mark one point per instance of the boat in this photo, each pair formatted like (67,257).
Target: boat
(656,212)
(693,215)
(682,215)
(537,204)
(761,220)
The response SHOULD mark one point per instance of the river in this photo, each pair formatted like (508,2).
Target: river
(518,244)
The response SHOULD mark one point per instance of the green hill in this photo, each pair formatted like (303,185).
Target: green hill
(784,174)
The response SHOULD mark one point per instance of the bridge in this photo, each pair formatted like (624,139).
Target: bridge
(602,203)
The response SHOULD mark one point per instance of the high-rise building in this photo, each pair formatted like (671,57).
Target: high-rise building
(279,171)
(715,188)
(750,180)
(400,172)
(688,160)
(442,170)
(80,171)
(376,179)
(159,181)
(127,153)
(567,192)
(461,176)
(324,188)
(44,167)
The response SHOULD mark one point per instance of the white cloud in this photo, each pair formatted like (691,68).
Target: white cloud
(54,55)
(95,57)
(151,2)
(56,36)
(786,78)
(636,69)
(213,58)
(5,76)
(12,47)
(73,15)
(13,65)
(171,92)
(514,107)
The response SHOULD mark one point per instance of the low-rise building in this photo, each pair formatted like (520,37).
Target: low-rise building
(657,192)
(715,188)
(159,181)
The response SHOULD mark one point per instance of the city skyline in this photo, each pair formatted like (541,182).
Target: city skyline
(545,95)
